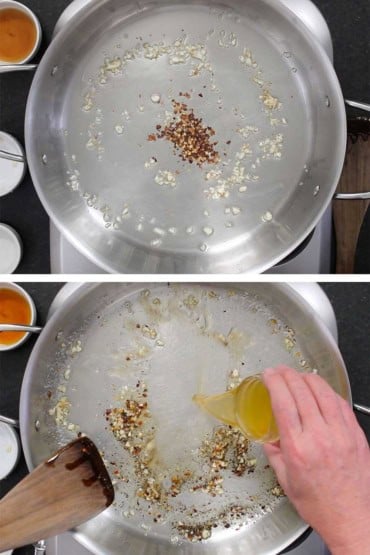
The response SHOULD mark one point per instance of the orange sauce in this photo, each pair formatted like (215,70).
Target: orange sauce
(18,35)
(14,309)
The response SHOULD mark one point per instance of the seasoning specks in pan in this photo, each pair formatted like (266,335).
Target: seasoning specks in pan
(204,149)
(128,383)
(189,136)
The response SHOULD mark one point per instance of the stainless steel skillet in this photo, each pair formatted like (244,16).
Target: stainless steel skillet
(82,355)
(140,225)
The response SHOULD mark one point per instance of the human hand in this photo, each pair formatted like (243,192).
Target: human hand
(322,460)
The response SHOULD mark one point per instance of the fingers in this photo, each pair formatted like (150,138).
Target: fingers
(335,410)
(306,404)
(327,400)
(283,405)
(353,426)
(348,414)
(273,453)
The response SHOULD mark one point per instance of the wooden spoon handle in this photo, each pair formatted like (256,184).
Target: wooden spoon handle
(348,218)
(70,488)
(349,214)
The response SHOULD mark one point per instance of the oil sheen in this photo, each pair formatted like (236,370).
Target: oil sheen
(14,309)
(18,35)
(247,407)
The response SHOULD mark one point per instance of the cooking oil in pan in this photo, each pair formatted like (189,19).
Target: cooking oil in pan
(194,54)
(247,407)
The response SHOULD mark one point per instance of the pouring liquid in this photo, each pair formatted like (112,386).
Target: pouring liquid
(247,407)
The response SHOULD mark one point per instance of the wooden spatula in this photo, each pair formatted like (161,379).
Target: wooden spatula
(349,214)
(65,491)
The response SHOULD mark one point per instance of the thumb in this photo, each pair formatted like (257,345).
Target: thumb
(273,453)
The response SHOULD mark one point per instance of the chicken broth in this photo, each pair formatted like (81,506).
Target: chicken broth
(14,309)
(18,35)
(247,407)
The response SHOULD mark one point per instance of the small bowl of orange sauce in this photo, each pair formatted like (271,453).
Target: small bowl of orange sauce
(20,33)
(16,307)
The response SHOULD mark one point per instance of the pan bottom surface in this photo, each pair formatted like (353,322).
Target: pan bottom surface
(227,74)
(184,136)
(126,376)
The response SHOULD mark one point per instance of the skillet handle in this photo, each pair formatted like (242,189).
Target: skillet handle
(362,409)
(352,196)
(362,195)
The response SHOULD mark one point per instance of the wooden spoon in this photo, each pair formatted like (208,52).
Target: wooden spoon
(63,492)
(349,214)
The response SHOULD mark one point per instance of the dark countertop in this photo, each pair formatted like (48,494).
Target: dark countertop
(351,303)
(352,306)
(349,25)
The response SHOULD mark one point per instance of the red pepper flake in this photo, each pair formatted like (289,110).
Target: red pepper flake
(189,136)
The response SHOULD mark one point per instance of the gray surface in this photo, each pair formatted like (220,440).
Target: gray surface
(352,306)
(349,27)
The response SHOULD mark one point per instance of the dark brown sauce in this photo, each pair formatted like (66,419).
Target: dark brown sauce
(77,463)
(90,455)
(90,481)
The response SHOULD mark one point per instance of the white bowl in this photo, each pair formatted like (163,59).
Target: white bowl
(11,173)
(18,6)
(9,450)
(11,249)
(31,304)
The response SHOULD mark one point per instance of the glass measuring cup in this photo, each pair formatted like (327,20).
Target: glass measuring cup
(247,407)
